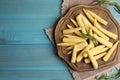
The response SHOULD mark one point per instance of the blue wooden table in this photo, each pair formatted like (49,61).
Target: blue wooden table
(25,51)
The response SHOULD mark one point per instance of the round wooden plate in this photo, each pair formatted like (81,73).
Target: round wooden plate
(112,26)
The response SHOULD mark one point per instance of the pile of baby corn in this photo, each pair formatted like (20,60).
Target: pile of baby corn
(87,40)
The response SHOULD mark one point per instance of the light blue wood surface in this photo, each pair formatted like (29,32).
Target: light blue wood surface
(25,51)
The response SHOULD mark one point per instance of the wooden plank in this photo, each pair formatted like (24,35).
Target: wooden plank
(23,22)
(29,55)
(23,31)
(28,6)
(34,75)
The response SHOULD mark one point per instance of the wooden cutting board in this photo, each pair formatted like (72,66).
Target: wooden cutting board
(112,26)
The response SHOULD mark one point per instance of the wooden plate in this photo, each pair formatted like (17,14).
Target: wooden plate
(112,26)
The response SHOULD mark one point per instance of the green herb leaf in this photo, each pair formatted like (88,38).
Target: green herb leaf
(116,5)
(84,35)
(112,77)
(90,37)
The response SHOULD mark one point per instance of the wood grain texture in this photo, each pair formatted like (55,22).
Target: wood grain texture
(23,22)
(25,51)
(34,75)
